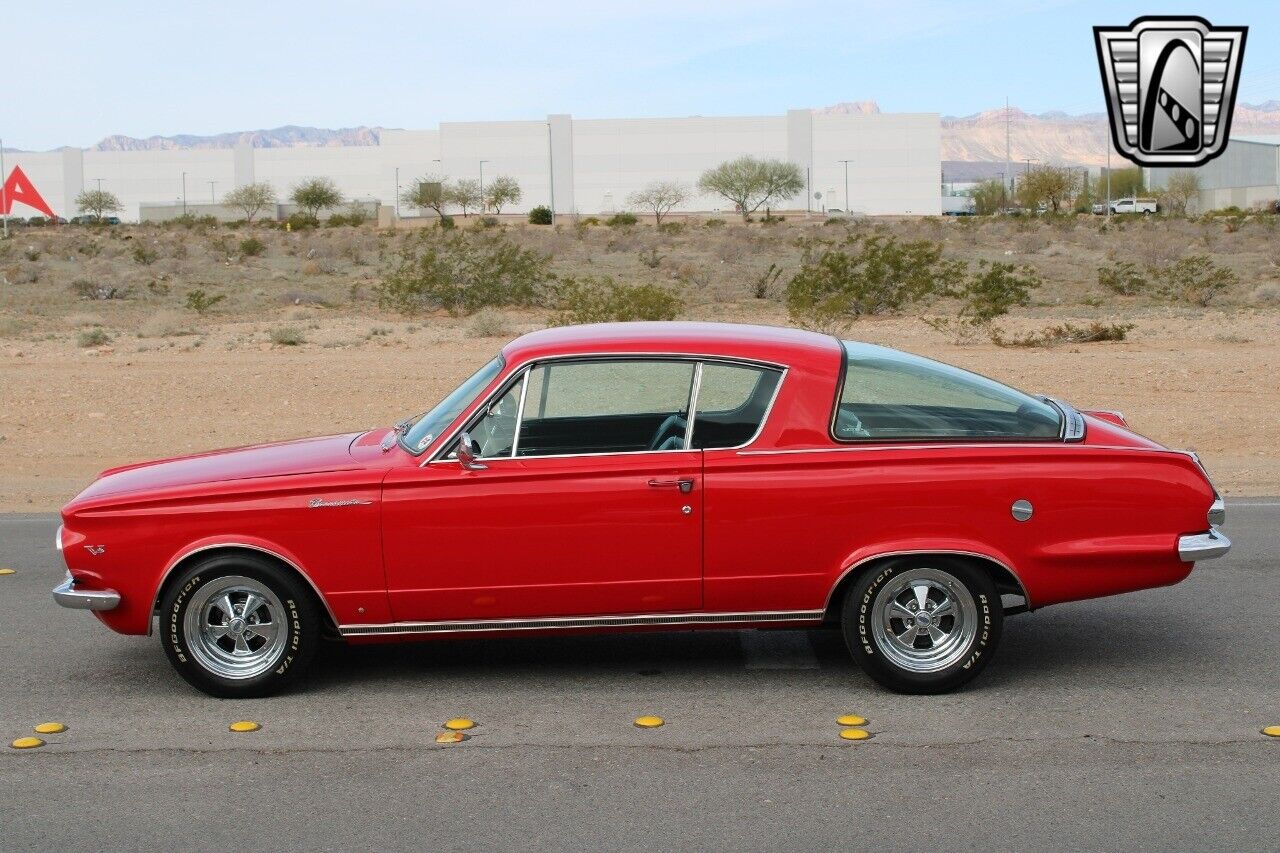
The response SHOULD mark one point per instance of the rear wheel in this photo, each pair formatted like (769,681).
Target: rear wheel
(922,625)
(238,626)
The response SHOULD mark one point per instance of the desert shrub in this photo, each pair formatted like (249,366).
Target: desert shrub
(200,302)
(301,222)
(589,221)
(621,220)
(651,258)
(1067,333)
(765,281)
(287,336)
(337,220)
(713,223)
(603,300)
(841,281)
(144,254)
(1195,279)
(463,273)
(488,323)
(447,223)
(163,324)
(12,327)
(252,247)
(671,228)
(96,290)
(985,294)
(1266,294)
(31,253)
(1122,277)
(22,274)
(93,338)
(540,215)
(488,222)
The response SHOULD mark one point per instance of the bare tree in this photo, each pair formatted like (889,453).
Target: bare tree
(465,194)
(751,183)
(660,197)
(503,190)
(251,199)
(1183,186)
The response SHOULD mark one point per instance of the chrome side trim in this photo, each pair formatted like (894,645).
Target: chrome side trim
(564,622)
(693,406)
(155,605)
(515,438)
(946,445)
(67,595)
(885,554)
(1203,546)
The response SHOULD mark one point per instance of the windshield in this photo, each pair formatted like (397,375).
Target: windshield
(422,430)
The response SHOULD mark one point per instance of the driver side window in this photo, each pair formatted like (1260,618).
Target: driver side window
(493,435)
(618,406)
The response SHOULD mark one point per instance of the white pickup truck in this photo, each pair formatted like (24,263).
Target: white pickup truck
(1133,205)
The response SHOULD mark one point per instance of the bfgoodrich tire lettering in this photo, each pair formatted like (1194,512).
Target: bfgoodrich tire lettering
(922,624)
(237,625)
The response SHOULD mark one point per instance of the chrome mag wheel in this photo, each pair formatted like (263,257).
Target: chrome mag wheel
(235,627)
(924,620)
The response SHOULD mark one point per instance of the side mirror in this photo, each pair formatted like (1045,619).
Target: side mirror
(466,454)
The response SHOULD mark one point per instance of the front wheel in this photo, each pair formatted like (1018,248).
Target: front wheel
(237,626)
(922,625)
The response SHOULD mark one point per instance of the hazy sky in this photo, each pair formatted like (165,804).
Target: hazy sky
(78,71)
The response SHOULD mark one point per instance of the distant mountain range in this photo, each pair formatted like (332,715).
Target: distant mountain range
(1052,137)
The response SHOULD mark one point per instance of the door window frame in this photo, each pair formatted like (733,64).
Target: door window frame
(521,376)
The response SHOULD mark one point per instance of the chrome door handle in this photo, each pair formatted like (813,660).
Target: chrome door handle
(685,484)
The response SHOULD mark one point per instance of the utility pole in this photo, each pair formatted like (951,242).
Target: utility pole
(184,193)
(397,192)
(484,208)
(846,186)
(551,174)
(4,192)
(213,198)
(1007,139)
(1108,181)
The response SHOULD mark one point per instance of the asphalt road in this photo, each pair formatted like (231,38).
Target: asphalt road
(1126,723)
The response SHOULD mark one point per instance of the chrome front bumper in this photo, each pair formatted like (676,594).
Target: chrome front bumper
(1203,546)
(67,595)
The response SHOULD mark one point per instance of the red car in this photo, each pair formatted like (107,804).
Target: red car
(648,476)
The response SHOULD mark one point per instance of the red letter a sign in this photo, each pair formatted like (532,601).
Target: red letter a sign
(20,189)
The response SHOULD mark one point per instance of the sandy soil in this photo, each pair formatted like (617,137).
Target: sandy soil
(1191,379)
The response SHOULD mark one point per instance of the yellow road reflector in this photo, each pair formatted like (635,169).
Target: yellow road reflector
(8,571)
(245,726)
(459,724)
(855,734)
(50,729)
(27,743)
(649,722)
(1272,731)
(851,720)
(450,737)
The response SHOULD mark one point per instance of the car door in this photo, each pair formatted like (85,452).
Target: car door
(584,499)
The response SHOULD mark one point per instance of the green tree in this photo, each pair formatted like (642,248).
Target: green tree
(502,191)
(660,197)
(1124,182)
(751,183)
(251,199)
(314,195)
(465,194)
(988,197)
(1050,185)
(98,202)
(427,193)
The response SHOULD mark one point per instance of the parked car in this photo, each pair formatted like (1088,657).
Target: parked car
(1134,205)
(1099,208)
(640,476)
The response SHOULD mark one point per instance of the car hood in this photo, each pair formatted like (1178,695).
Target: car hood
(303,456)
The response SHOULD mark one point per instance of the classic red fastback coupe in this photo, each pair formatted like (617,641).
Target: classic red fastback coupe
(645,476)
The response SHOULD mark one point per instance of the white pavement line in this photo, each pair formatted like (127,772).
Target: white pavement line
(777,650)
(1244,505)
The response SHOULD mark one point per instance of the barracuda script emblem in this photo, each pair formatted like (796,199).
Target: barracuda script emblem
(1171,88)
(315,503)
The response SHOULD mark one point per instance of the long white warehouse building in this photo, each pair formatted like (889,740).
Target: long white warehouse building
(879,163)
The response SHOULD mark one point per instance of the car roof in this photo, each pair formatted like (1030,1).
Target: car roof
(775,344)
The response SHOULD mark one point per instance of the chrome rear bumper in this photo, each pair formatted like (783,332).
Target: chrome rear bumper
(67,595)
(1203,546)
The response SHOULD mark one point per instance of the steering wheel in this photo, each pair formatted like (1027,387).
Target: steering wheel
(670,434)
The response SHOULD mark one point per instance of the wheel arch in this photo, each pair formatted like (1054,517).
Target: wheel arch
(231,548)
(1004,577)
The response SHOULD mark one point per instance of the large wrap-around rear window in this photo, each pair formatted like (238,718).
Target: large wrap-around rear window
(894,396)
